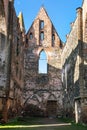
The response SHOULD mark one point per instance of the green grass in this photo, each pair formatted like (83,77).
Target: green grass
(24,121)
(36,121)
(66,120)
(72,127)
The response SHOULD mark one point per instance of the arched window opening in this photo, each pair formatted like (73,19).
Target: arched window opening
(42,63)
(31,36)
(42,36)
(26,40)
(41,24)
(53,39)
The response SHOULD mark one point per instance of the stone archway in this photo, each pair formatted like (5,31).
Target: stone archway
(51,107)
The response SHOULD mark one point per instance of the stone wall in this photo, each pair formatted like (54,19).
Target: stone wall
(84,7)
(35,29)
(74,65)
(70,61)
(64,86)
(3,37)
(16,80)
(39,88)
(11,41)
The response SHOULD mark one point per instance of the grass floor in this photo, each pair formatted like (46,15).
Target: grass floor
(72,127)
(33,124)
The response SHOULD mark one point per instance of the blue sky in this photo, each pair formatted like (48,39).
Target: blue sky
(61,13)
(43,63)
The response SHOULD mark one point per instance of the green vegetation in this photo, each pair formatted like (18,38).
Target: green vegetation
(23,121)
(72,127)
(30,124)
(66,120)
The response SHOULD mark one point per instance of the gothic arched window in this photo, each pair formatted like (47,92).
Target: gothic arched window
(53,39)
(42,68)
(41,24)
(31,36)
(42,36)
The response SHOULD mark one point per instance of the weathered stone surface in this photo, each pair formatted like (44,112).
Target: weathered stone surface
(74,61)
(39,88)
(10,84)
(65,83)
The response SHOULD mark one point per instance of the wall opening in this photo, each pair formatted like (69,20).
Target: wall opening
(42,36)
(41,24)
(42,67)
(31,36)
(53,39)
(51,108)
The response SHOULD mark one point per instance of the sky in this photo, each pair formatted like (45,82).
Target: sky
(61,13)
(43,63)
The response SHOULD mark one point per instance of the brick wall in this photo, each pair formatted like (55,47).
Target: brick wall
(71,64)
(74,64)
(11,85)
(39,88)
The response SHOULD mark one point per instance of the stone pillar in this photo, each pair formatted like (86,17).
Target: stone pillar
(80,32)
(79,15)
(8,60)
(76,112)
(80,43)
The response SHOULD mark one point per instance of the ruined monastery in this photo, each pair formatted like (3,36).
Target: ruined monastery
(38,68)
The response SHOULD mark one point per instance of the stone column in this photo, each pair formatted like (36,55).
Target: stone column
(76,112)
(79,16)
(8,60)
(80,44)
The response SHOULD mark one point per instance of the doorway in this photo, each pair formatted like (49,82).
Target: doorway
(51,108)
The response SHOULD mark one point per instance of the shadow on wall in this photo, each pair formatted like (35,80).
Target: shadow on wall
(72,71)
(38,87)
(42,88)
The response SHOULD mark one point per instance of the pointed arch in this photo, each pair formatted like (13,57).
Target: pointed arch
(42,67)
(32,97)
(52,97)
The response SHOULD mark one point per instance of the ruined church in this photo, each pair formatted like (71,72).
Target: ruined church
(38,68)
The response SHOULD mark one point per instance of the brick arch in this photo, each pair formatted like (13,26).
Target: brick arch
(37,93)
(46,102)
(31,98)
(52,97)
(42,49)
(51,106)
